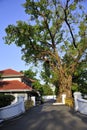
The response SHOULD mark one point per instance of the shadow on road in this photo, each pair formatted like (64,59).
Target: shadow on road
(48,117)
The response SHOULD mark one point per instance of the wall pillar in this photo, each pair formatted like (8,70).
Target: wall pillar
(76,96)
(34,101)
(63,98)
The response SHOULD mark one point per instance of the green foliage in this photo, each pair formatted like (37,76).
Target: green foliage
(56,91)
(45,77)
(28,104)
(69,102)
(47,90)
(73,6)
(37,86)
(0,75)
(5,100)
(75,87)
(43,89)
(80,75)
(46,66)
(80,78)
(46,30)
(29,73)
(49,76)
(55,35)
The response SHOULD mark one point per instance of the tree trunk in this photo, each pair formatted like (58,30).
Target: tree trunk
(64,78)
(64,87)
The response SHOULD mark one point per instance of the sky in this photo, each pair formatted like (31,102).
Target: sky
(10,55)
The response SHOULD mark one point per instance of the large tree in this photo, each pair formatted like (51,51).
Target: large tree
(55,34)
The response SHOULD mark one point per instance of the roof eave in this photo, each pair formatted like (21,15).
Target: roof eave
(4,76)
(16,90)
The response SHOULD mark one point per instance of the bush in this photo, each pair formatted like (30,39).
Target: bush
(6,100)
(75,87)
(28,104)
(69,102)
(39,100)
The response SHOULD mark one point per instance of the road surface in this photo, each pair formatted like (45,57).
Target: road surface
(47,117)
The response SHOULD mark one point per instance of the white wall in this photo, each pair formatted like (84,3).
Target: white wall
(12,110)
(49,97)
(82,106)
(80,103)
(9,79)
(18,95)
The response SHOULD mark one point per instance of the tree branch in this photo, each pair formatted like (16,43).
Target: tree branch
(52,38)
(66,20)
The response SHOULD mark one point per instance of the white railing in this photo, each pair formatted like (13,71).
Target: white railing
(12,110)
(80,103)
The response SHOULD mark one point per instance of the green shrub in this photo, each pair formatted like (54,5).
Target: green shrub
(74,87)
(28,104)
(69,102)
(6,100)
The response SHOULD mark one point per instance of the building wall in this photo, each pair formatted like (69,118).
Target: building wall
(18,95)
(9,79)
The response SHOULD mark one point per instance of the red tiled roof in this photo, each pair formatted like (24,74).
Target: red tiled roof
(14,85)
(9,72)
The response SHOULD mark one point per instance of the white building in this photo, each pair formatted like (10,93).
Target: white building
(15,83)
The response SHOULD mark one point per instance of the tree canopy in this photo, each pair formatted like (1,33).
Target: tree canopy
(43,89)
(29,73)
(56,34)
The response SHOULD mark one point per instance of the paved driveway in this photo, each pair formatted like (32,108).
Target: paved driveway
(47,117)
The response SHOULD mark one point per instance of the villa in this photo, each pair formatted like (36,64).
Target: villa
(15,83)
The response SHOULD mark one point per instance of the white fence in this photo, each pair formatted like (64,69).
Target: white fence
(80,104)
(49,97)
(12,110)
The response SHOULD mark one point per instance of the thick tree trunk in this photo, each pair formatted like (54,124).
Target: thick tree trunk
(64,87)
(64,78)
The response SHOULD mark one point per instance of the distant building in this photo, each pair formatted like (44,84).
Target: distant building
(15,83)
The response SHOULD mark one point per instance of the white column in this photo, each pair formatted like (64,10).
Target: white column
(63,98)
(34,101)
(76,96)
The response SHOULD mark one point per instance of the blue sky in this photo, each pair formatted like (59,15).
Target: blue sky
(10,55)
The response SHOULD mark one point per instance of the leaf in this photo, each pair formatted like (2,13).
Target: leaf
(73,6)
